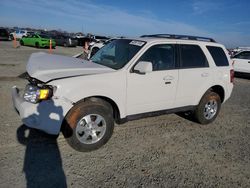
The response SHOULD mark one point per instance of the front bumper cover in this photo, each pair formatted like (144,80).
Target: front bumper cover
(47,115)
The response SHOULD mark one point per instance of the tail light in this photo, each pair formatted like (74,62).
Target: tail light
(232,76)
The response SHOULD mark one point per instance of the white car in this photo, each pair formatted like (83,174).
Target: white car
(18,34)
(126,80)
(241,62)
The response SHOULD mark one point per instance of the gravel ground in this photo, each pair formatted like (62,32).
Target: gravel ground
(163,151)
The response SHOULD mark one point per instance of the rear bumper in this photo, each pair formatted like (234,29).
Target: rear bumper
(46,115)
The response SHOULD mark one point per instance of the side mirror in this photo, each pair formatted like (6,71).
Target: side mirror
(143,67)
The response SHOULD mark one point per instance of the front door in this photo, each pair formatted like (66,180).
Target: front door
(155,90)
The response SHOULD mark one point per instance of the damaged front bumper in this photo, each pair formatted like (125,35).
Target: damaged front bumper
(46,115)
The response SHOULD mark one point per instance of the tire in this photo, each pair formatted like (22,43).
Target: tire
(37,45)
(88,125)
(21,43)
(65,45)
(208,108)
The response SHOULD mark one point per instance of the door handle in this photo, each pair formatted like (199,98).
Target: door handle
(205,74)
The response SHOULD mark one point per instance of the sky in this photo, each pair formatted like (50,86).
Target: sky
(227,21)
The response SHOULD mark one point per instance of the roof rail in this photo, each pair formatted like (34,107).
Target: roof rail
(184,37)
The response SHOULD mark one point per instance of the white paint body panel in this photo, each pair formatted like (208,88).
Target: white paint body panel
(151,92)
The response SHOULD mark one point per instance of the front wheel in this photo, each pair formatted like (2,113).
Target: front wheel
(21,42)
(208,108)
(88,125)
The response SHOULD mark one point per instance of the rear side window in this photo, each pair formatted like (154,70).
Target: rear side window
(192,56)
(218,55)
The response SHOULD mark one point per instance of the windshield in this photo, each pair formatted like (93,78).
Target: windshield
(117,53)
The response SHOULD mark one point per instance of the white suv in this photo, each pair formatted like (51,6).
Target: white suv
(126,79)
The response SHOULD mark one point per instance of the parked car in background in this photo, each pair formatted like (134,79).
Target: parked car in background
(4,34)
(78,35)
(37,40)
(99,38)
(241,62)
(64,40)
(81,41)
(91,38)
(18,34)
(29,33)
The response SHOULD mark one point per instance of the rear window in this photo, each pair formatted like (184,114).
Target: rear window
(218,55)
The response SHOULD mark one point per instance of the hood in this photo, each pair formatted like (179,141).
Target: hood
(46,67)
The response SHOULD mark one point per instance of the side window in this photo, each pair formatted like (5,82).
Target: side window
(161,56)
(218,55)
(243,55)
(192,56)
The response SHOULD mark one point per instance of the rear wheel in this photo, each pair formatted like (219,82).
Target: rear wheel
(21,42)
(88,125)
(208,108)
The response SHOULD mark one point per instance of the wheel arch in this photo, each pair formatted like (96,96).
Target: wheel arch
(112,103)
(219,90)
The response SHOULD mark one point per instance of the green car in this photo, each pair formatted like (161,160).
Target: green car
(37,40)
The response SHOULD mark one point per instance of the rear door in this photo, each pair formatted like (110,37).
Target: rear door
(194,74)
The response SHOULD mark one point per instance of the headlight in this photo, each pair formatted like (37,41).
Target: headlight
(35,94)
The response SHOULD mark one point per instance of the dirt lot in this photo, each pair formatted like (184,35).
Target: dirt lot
(164,151)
